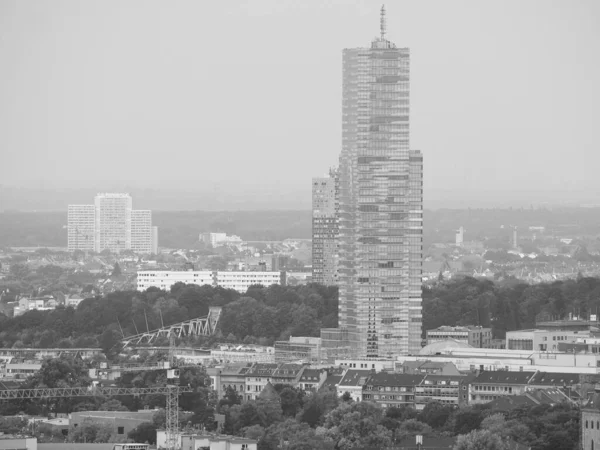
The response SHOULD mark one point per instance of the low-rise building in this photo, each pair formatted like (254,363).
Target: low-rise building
(239,281)
(243,353)
(298,349)
(257,377)
(488,386)
(444,389)
(288,374)
(424,367)
(122,422)
(475,336)
(391,389)
(229,376)
(542,340)
(10,442)
(353,382)
(311,380)
(366,364)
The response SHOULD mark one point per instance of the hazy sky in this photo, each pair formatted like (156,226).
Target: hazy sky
(243,97)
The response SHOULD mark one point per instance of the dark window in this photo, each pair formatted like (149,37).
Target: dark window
(120,430)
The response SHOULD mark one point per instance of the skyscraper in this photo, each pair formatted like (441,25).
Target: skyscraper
(380,207)
(324,229)
(111,223)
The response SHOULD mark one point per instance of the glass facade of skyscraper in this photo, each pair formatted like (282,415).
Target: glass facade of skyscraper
(380,207)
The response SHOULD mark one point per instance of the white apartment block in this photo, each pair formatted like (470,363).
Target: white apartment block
(240,281)
(111,223)
(141,231)
(80,228)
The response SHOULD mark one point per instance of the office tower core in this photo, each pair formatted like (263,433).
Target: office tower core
(324,229)
(380,208)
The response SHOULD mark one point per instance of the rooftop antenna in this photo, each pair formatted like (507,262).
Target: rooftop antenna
(382,22)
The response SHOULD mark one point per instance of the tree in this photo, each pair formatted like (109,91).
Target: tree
(435,414)
(479,440)
(144,433)
(116,271)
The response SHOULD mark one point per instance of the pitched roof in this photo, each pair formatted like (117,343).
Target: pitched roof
(332,381)
(504,377)
(355,378)
(510,402)
(555,378)
(550,396)
(395,379)
(264,369)
(311,375)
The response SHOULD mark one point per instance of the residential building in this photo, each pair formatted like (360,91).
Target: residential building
(476,336)
(141,231)
(488,386)
(154,249)
(288,373)
(324,229)
(229,376)
(80,227)
(257,378)
(111,223)
(112,229)
(425,367)
(444,389)
(18,369)
(239,281)
(542,340)
(380,209)
(352,382)
(391,389)
(312,380)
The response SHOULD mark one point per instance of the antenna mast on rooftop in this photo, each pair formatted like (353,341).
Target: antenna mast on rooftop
(382,24)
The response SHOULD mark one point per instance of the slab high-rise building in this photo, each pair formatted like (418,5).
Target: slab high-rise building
(80,227)
(111,223)
(380,208)
(324,229)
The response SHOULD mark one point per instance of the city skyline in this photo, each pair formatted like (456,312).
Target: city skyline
(487,140)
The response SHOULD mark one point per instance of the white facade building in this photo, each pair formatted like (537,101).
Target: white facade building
(111,223)
(219,239)
(141,231)
(80,227)
(240,281)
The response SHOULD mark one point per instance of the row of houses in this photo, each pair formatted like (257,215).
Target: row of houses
(412,388)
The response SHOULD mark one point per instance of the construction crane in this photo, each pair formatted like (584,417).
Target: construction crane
(171,391)
(201,326)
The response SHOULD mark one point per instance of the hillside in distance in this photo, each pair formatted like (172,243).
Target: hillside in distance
(180,229)
(177,229)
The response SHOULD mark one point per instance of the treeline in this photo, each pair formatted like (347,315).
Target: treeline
(263,314)
(508,305)
(324,421)
(266,314)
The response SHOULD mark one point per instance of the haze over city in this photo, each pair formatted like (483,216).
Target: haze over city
(238,103)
